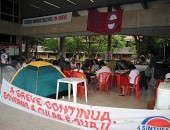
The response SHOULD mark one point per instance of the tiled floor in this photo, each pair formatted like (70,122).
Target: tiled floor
(112,99)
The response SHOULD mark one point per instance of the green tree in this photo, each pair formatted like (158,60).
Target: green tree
(31,46)
(99,45)
(74,45)
(70,45)
(50,44)
(148,45)
(118,41)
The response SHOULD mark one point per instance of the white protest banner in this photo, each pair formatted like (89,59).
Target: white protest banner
(46,20)
(85,116)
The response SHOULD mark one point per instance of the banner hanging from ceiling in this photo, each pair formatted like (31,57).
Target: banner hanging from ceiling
(104,22)
(47,20)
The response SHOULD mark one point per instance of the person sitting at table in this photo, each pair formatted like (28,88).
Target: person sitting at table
(133,73)
(73,64)
(62,62)
(67,70)
(104,68)
(26,61)
(56,64)
(94,68)
(78,69)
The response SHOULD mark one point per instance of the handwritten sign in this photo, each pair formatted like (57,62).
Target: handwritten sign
(77,115)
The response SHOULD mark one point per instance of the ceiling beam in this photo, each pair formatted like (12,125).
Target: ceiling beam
(75,14)
(117,7)
(144,4)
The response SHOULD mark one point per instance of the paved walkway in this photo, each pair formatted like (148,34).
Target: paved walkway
(14,119)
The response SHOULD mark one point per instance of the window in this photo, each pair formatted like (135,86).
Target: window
(4,38)
(16,20)
(16,9)
(6,17)
(6,7)
(9,11)
(13,39)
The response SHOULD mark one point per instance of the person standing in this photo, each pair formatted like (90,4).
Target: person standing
(4,56)
(152,82)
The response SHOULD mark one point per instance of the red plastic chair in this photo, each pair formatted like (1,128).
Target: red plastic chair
(68,73)
(135,87)
(124,80)
(113,80)
(103,79)
(91,80)
(119,79)
(80,86)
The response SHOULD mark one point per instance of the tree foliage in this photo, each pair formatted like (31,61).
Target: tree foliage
(50,44)
(148,45)
(118,41)
(99,45)
(74,44)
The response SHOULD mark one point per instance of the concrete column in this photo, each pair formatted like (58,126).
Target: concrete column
(27,45)
(19,41)
(89,46)
(61,49)
(0,9)
(10,39)
(109,40)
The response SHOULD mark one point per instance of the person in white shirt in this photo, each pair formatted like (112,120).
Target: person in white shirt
(133,73)
(78,69)
(4,56)
(103,68)
(73,64)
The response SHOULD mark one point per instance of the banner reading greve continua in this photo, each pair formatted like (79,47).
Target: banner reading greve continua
(85,116)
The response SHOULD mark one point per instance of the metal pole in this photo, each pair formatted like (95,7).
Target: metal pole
(109,40)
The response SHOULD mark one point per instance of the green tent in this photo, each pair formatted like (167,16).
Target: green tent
(6,72)
(40,78)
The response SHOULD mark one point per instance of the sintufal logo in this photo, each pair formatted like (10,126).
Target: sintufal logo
(155,123)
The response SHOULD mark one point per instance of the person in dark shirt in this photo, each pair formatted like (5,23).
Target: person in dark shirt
(62,63)
(153,61)
(152,82)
